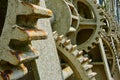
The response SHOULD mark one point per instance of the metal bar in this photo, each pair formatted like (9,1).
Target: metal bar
(47,65)
(107,70)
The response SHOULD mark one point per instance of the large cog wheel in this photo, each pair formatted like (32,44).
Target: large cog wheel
(18,28)
(90,24)
(74,58)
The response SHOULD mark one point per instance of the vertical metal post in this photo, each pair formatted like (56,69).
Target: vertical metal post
(107,70)
(115,52)
(47,66)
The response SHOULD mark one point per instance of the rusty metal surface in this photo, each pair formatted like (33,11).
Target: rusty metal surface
(10,72)
(19,29)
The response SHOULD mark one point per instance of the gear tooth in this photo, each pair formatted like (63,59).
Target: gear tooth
(67,42)
(80,59)
(38,10)
(102,18)
(28,34)
(90,60)
(86,49)
(68,48)
(86,59)
(102,24)
(74,47)
(72,29)
(21,56)
(54,33)
(75,53)
(79,53)
(100,11)
(88,66)
(59,38)
(8,71)
(92,74)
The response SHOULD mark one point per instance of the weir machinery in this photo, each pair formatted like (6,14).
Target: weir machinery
(58,40)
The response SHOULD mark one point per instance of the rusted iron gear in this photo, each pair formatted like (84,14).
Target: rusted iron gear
(90,24)
(20,28)
(10,72)
(65,18)
(75,59)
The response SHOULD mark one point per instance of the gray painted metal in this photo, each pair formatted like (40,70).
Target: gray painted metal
(48,65)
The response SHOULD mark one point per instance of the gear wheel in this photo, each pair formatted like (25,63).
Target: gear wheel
(86,19)
(18,29)
(112,42)
(90,24)
(74,58)
(65,18)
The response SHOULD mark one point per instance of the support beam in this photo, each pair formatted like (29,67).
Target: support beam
(47,65)
(107,70)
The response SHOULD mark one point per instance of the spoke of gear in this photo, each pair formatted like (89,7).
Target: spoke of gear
(77,62)
(90,24)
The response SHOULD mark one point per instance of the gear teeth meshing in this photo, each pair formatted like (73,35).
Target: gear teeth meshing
(68,49)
